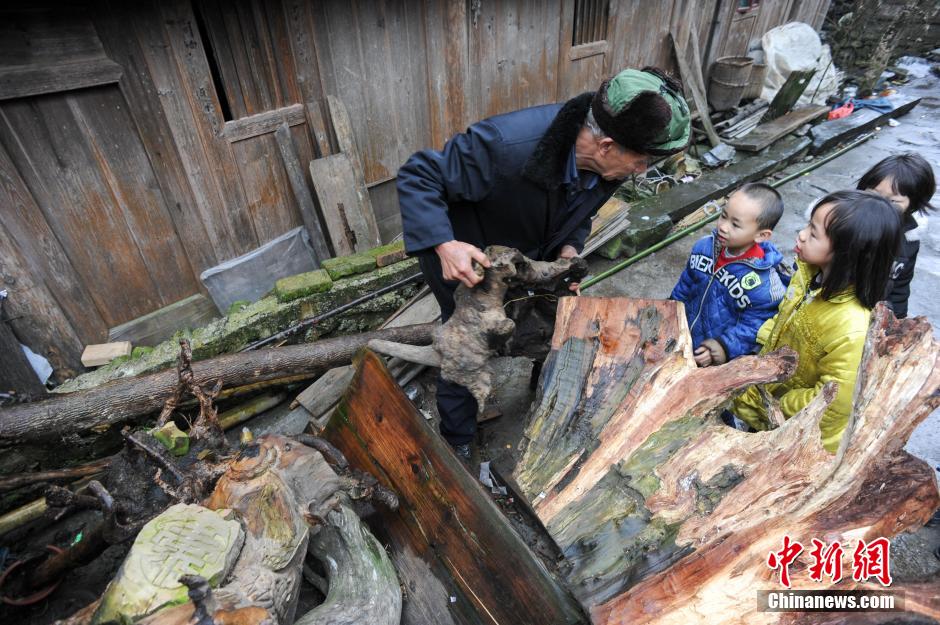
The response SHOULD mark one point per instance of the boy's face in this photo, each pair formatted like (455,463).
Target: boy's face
(737,226)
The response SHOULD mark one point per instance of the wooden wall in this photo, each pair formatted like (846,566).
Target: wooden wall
(136,136)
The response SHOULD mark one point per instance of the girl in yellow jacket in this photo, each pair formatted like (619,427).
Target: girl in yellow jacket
(844,258)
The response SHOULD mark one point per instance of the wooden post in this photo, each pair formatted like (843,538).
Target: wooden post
(298,183)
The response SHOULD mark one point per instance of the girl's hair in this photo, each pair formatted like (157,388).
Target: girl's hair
(911,175)
(864,230)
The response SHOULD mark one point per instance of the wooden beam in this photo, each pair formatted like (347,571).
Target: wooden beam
(444,517)
(691,82)
(263,123)
(298,183)
(156,327)
(345,204)
(771,131)
(346,139)
(788,94)
(103,353)
(22,82)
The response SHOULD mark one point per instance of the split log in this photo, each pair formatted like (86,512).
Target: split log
(665,515)
(455,552)
(60,430)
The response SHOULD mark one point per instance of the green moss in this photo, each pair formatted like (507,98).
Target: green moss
(302,285)
(237,306)
(351,265)
(387,254)
(140,352)
(265,317)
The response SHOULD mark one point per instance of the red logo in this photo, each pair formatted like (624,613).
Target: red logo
(869,560)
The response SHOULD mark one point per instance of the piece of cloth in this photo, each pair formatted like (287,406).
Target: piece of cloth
(841,111)
(829,336)
(902,270)
(644,110)
(501,183)
(755,252)
(729,304)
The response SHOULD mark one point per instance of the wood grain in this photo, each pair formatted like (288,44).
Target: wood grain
(445,516)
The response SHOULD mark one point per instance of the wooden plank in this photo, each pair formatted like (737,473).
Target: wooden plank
(690,81)
(341,201)
(449,519)
(587,49)
(267,189)
(300,32)
(263,123)
(202,116)
(173,100)
(768,132)
(115,27)
(103,353)
(788,94)
(16,374)
(298,183)
(342,126)
(38,80)
(31,307)
(74,219)
(130,183)
(156,327)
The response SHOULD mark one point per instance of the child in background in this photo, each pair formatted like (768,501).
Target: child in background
(844,258)
(731,285)
(907,181)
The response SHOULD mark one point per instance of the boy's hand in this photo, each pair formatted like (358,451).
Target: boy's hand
(716,352)
(703,357)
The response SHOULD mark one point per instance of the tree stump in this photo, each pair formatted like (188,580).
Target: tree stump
(667,516)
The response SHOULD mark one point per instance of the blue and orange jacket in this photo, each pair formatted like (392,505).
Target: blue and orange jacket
(730,304)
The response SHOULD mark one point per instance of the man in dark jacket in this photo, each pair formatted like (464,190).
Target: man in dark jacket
(532,180)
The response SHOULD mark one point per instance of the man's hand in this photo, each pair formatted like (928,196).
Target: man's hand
(568,251)
(457,261)
(710,352)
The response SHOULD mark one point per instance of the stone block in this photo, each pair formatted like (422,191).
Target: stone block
(388,254)
(185,539)
(612,249)
(348,265)
(302,285)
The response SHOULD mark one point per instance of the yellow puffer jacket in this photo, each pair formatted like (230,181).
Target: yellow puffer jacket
(829,336)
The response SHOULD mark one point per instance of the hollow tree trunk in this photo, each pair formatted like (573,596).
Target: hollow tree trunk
(32,434)
(667,516)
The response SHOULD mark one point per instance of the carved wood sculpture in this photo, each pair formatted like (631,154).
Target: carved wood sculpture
(667,516)
(511,312)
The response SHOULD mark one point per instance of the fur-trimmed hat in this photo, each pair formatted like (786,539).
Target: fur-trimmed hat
(644,110)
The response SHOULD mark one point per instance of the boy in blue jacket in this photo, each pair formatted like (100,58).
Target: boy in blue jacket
(731,285)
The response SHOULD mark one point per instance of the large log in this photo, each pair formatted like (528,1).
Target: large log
(667,516)
(62,429)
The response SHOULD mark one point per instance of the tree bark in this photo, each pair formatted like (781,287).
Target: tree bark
(667,516)
(33,433)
